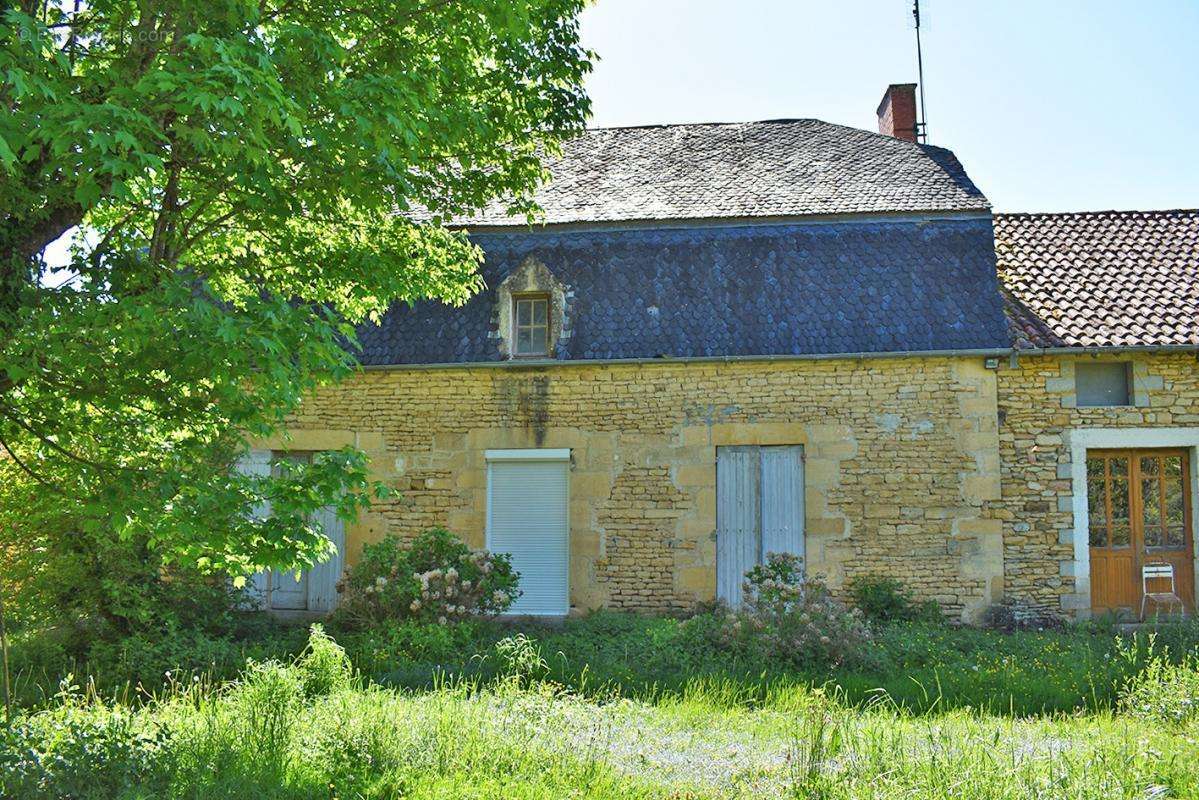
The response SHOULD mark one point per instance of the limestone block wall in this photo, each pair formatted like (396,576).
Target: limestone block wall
(1038,414)
(902,467)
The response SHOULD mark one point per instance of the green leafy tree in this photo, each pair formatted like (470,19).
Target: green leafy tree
(243,182)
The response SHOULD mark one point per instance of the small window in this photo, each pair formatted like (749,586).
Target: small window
(531,326)
(1102,384)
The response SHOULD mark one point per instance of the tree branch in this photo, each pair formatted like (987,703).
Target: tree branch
(25,468)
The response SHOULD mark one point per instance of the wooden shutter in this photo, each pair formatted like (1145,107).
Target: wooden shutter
(313,590)
(759,510)
(737,546)
(258,463)
(323,577)
(782,501)
(527,517)
(289,588)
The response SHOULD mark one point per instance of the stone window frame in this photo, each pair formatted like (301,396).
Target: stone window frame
(532,277)
(1064,386)
(1079,441)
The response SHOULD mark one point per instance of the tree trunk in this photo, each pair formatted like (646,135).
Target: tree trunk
(4,659)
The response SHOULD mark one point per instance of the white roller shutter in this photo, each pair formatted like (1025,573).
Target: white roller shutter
(528,518)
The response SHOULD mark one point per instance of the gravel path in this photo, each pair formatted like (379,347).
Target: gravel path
(643,741)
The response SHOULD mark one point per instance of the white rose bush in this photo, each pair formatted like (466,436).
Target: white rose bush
(435,578)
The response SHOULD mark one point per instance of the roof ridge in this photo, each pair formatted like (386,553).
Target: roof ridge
(709,123)
(775,121)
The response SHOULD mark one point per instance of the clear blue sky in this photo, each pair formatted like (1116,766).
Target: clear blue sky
(1053,105)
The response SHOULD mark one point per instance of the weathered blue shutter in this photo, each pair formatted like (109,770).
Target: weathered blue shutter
(323,577)
(737,542)
(257,463)
(289,588)
(782,501)
(759,510)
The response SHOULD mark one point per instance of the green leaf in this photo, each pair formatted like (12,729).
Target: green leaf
(87,192)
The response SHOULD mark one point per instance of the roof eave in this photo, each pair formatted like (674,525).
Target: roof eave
(696,222)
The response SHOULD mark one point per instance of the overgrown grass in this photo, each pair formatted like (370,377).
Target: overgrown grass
(920,667)
(309,730)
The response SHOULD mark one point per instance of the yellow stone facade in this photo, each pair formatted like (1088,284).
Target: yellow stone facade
(1039,415)
(902,466)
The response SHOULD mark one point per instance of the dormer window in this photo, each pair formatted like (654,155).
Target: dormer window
(530,325)
(531,319)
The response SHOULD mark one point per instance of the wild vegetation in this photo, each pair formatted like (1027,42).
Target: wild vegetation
(311,727)
(720,704)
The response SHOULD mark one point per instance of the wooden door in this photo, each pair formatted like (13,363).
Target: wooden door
(1139,510)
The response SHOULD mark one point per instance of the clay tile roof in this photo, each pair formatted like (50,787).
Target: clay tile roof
(779,168)
(1095,279)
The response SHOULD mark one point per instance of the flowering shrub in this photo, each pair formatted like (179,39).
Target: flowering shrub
(791,619)
(435,579)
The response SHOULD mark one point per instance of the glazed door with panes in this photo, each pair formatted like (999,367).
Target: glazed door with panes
(1139,513)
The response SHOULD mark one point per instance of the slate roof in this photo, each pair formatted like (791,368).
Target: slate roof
(778,168)
(1095,279)
(749,290)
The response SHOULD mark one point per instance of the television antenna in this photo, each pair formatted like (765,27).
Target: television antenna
(922,125)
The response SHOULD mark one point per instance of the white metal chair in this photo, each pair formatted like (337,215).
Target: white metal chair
(1159,571)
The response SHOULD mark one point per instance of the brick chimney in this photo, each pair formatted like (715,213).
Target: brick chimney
(897,112)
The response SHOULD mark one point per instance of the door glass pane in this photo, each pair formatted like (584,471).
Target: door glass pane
(1097,497)
(1176,536)
(1097,500)
(1120,535)
(1173,467)
(1151,500)
(1119,490)
(1175,502)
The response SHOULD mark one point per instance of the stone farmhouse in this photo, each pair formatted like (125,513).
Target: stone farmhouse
(732,339)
